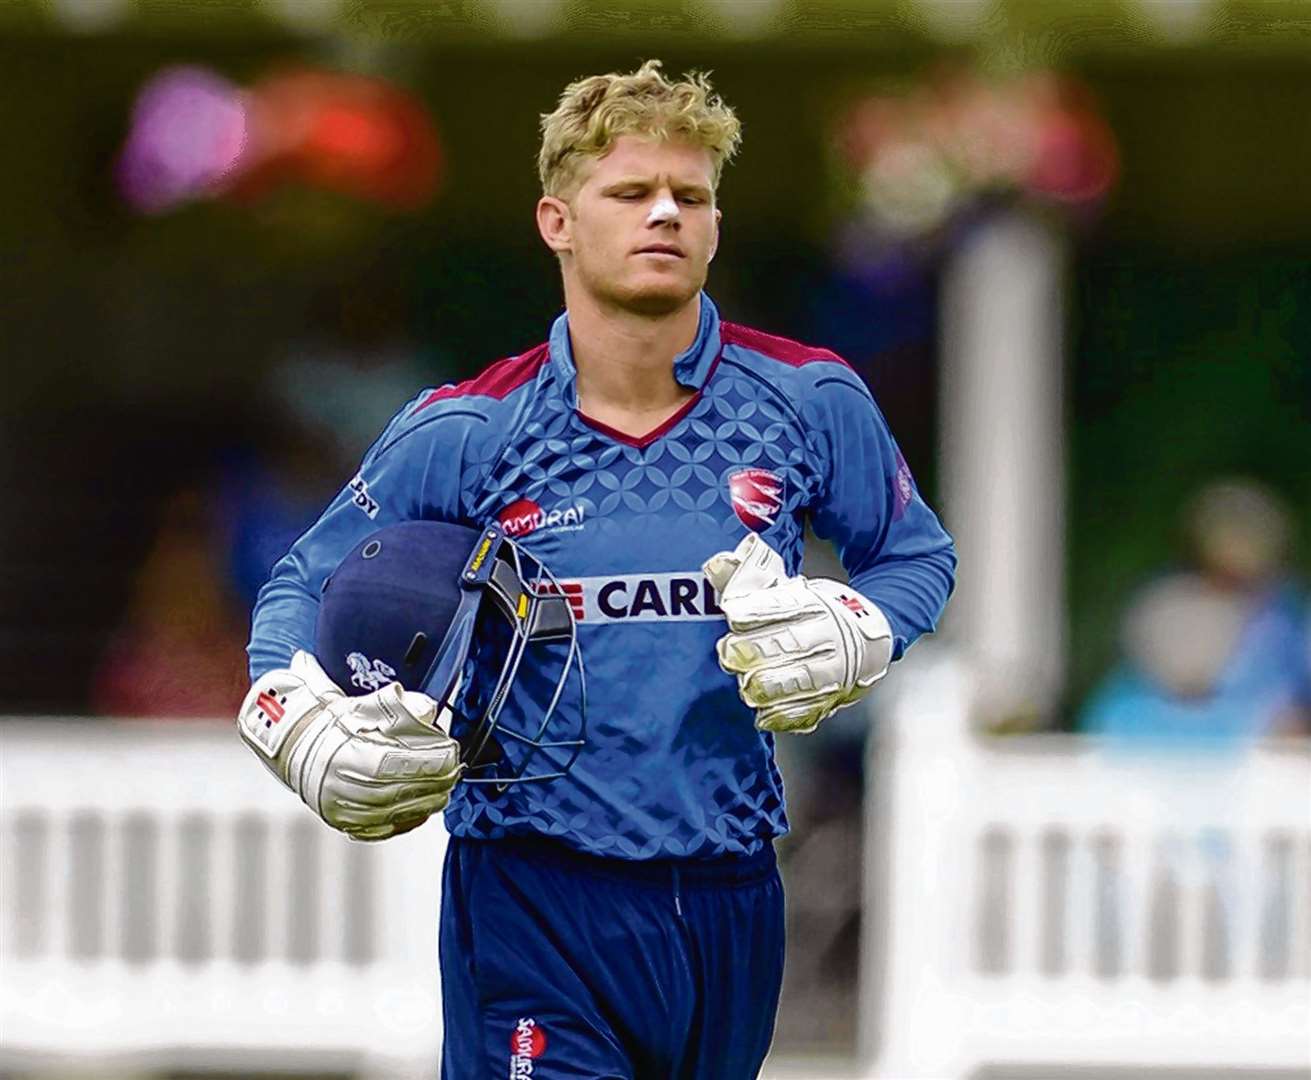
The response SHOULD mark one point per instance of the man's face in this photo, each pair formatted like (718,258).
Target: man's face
(642,227)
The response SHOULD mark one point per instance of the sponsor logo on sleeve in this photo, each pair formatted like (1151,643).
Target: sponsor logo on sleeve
(903,488)
(361,497)
(757,497)
(524,516)
(527,1044)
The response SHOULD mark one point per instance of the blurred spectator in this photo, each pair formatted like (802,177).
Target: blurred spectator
(179,651)
(357,365)
(268,499)
(1218,650)
(327,398)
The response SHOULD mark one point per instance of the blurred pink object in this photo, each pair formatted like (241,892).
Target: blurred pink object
(1075,160)
(925,154)
(188,132)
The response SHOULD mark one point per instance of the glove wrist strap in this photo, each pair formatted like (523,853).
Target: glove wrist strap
(866,634)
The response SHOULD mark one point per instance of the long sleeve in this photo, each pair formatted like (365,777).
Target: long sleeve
(412,472)
(892,545)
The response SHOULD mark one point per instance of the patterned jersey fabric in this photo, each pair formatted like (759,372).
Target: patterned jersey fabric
(777,432)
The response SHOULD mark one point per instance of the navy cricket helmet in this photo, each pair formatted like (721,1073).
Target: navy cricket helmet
(471,619)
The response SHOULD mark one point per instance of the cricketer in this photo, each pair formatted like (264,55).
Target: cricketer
(624,920)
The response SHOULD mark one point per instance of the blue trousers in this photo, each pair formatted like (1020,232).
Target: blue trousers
(558,964)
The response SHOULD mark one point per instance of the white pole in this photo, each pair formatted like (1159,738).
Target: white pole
(1003,460)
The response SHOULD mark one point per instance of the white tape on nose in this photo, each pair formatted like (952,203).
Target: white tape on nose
(664,210)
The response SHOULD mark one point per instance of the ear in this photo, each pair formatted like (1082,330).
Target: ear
(554,222)
(714,243)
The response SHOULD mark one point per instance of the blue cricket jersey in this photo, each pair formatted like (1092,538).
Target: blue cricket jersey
(776,432)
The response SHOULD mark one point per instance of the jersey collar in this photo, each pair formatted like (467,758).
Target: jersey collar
(691,367)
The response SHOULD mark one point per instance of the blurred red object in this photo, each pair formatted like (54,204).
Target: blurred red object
(348,133)
(152,674)
(1074,158)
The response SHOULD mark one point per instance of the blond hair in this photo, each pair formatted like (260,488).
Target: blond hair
(595,111)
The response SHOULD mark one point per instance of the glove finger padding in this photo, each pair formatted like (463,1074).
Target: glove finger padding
(740,653)
(376,769)
(353,817)
(430,766)
(389,711)
(402,819)
(416,716)
(794,717)
(752,565)
(784,603)
(790,682)
(306,667)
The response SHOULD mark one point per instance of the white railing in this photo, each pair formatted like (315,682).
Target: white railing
(164,903)
(1049,902)
(1032,904)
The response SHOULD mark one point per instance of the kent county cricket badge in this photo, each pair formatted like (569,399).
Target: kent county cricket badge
(757,496)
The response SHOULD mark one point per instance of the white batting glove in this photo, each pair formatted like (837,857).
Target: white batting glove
(372,766)
(800,649)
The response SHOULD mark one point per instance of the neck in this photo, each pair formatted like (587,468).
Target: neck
(625,360)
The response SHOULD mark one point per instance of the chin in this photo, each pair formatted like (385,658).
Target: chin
(657,303)
(655,297)
(642,291)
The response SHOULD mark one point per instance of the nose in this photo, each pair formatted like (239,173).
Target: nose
(664,212)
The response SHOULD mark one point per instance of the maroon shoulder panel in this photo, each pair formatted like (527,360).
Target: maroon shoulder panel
(784,349)
(496,380)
